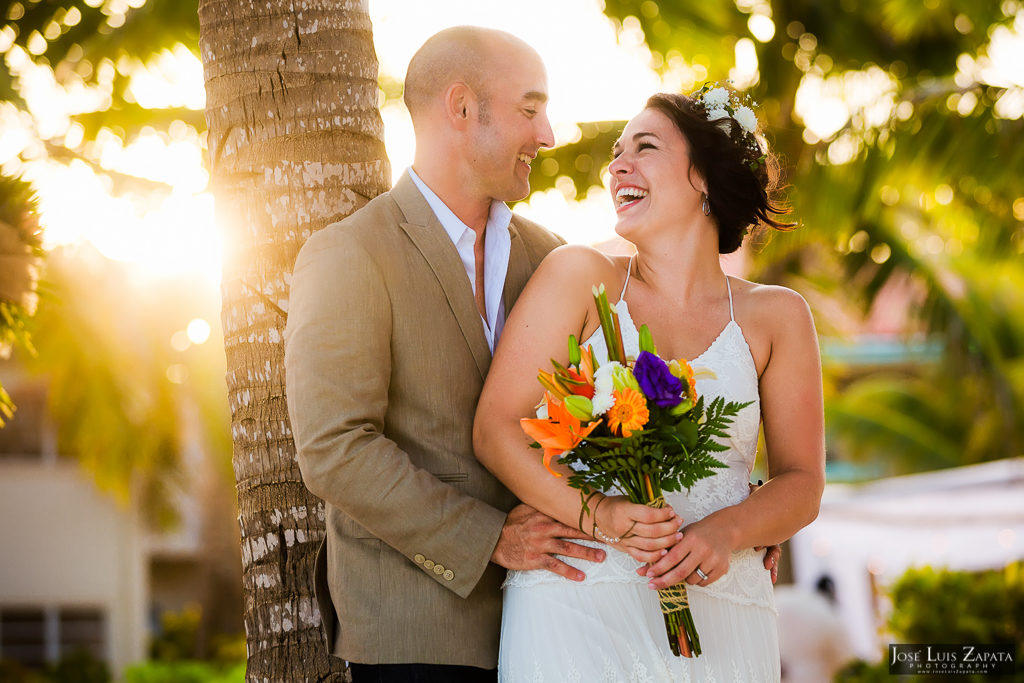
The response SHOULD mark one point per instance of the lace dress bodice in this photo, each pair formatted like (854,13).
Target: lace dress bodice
(729,358)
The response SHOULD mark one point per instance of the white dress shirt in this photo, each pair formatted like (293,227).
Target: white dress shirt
(497,247)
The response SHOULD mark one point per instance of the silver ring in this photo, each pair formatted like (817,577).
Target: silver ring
(702,575)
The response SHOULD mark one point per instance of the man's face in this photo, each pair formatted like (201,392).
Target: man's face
(512,124)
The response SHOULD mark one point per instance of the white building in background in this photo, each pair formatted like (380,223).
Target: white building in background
(77,568)
(867,535)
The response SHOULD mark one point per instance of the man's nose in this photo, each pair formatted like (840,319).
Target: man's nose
(545,135)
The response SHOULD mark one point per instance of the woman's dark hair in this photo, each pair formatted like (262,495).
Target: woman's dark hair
(740,181)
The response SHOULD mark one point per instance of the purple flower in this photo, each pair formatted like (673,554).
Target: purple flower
(657,381)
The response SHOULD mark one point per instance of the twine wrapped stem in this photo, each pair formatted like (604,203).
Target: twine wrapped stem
(675,605)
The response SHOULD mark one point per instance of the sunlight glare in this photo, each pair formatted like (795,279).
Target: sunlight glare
(173,79)
(587,220)
(165,235)
(180,341)
(745,74)
(761,27)
(198,331)
(825,105)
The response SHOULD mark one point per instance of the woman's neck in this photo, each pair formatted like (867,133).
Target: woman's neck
(684,265)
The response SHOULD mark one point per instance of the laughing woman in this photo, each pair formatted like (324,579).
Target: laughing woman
(689,178)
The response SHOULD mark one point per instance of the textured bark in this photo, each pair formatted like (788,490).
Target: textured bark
(295,142)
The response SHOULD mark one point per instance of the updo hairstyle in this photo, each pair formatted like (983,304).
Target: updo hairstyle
(739,171)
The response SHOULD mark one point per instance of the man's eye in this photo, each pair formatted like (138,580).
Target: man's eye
(530,112)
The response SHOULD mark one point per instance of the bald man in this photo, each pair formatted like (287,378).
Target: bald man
(394,314)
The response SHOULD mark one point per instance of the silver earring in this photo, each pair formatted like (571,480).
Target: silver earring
(704,206)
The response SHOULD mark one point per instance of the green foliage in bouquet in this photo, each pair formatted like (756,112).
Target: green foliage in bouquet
(670,454)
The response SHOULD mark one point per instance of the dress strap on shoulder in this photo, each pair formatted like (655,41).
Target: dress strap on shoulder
(732,317)
(629,269)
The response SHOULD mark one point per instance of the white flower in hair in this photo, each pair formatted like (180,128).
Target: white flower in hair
(746,118)
(715,114)
(716,98)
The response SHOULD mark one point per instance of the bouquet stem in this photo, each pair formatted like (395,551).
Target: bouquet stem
(675,607)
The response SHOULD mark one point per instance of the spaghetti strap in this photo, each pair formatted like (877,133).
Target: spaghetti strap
(729,286)
(629,269)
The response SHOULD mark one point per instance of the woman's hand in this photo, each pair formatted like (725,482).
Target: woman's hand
(704,546)
(642,531)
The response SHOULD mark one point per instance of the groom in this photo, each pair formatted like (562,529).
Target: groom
(393,318)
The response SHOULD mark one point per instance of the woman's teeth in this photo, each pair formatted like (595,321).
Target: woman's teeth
(626,195)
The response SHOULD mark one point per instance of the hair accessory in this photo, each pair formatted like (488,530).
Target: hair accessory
(722,103)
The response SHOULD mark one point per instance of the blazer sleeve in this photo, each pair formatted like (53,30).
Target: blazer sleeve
(338,365)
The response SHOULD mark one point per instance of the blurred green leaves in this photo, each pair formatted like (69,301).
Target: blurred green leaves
(20,257)
(92,47)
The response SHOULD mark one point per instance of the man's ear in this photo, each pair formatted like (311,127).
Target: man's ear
(459,104)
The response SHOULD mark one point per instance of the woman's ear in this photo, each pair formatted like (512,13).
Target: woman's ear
(697,181)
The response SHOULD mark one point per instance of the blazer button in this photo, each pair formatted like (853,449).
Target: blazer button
(419,558)
(429,564)
(448,575)
(439,569)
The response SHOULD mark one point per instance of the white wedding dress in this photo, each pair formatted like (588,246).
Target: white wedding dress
(609,627)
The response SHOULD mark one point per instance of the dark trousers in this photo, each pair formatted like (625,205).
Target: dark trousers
(420,673)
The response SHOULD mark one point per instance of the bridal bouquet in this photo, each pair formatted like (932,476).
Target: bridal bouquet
(635,425)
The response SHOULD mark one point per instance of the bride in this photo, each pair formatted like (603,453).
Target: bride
(689,178)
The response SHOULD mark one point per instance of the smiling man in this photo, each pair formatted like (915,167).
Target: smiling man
(393,318)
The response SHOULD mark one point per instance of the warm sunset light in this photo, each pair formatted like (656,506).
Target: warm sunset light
(176,444)
(168,226)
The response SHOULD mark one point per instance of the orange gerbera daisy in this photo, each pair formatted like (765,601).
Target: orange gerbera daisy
(629,414)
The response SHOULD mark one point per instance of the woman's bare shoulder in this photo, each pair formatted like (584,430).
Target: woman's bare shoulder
(775,309)
(582,265)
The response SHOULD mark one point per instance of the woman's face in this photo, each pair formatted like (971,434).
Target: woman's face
(652,185)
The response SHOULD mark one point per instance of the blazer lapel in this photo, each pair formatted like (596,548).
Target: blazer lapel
(519,270)
(430,238)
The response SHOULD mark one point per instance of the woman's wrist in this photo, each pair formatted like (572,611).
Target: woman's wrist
(588,513)
(724,524)
(608,531)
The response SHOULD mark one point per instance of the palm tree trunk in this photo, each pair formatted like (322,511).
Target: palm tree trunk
(295,142)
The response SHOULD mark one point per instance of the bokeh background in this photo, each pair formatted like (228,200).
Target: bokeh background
(899,123)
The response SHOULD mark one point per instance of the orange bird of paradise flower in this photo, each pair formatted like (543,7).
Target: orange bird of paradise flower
(558,432)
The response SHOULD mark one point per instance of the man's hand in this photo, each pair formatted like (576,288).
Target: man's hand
(774,552)
(771,560)
(530,540)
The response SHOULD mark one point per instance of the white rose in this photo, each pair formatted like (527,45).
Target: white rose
(716,97)
(715,114)
(746,118)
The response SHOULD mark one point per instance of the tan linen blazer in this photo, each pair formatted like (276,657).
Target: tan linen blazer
(385,357)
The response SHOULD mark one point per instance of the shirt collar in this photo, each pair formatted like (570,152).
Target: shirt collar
(500,215)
